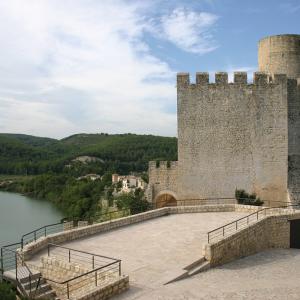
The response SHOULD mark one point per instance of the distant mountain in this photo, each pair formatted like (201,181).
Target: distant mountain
(25,154)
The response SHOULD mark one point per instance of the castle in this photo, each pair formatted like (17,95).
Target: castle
(237,135)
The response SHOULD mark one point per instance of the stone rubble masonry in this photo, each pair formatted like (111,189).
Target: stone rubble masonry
(54,268)
(273,231)
(163,179)
(117,287)
(68,225)
(83,223)
(238,135)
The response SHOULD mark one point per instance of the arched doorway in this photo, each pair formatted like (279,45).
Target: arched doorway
(164,199)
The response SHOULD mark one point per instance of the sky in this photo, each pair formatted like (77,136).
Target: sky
(91,66)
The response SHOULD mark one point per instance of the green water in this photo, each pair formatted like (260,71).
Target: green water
(20,214)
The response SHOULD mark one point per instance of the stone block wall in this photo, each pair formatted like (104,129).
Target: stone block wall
(273,231)
(232,136)
(87,286)
(117,287)
(294,139)
(163,178)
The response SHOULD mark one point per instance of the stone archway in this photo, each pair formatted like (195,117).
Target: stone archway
(165,198)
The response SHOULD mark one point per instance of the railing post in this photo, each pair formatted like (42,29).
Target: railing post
(93,262)
(208,237)
(247,220)
(22,242)
(45,231)
(68,292)
(120,271)
(223,231)
(35,236)
(2,265)
(236,225)
(69,255)
(96,278)
(16,258)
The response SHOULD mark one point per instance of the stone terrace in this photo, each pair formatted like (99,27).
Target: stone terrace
(155,251)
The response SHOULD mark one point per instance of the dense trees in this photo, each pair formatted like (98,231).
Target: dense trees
(122,153)
(49,171)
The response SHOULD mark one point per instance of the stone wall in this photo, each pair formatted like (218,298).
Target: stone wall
(280,54)
(85,287)
(163,178)
(232,136)
(112,289)
(294,139)
(270,232)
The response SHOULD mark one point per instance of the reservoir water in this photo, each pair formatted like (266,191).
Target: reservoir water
(20,214)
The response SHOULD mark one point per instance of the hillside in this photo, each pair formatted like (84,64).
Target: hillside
(30,155)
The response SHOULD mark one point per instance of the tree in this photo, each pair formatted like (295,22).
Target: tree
(133,201)
(6,292)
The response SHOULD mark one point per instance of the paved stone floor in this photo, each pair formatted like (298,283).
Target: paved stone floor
(269,275)
(155,251)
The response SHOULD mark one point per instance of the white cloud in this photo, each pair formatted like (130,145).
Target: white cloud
(84,66)
(191,31)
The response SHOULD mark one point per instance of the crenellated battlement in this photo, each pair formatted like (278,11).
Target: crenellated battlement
(170,165)
(239,78)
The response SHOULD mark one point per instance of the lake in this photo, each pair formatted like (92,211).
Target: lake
(20,214)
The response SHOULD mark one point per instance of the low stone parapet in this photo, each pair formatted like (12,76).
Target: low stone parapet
(272,231)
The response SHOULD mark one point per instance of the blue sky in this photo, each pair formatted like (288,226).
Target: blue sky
(92,66)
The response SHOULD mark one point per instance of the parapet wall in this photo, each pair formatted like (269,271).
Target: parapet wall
(232,136)
(270,232)
(203,78)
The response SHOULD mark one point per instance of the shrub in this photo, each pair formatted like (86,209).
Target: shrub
(247,199)
(6,292)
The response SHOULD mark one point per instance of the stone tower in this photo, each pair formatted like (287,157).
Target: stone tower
(280,54)
(238,135)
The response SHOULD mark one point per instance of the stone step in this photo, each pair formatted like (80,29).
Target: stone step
(51,295)
(41,289)
(24,276)
(34,282)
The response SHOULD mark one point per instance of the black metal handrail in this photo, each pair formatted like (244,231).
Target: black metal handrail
(221,231)
(111,264)
(19,262)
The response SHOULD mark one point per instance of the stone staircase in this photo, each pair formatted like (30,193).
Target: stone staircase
(31,285)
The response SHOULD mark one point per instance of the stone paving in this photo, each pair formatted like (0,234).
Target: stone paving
(155,251)
(269,275)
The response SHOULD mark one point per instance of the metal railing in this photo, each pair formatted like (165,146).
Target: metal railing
(234,226)
(41,232)
(12,261)
(206,201)
(98,270)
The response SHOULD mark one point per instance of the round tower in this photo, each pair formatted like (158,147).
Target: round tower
(280,54)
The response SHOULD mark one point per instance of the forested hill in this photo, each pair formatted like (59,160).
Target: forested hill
(29,155)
